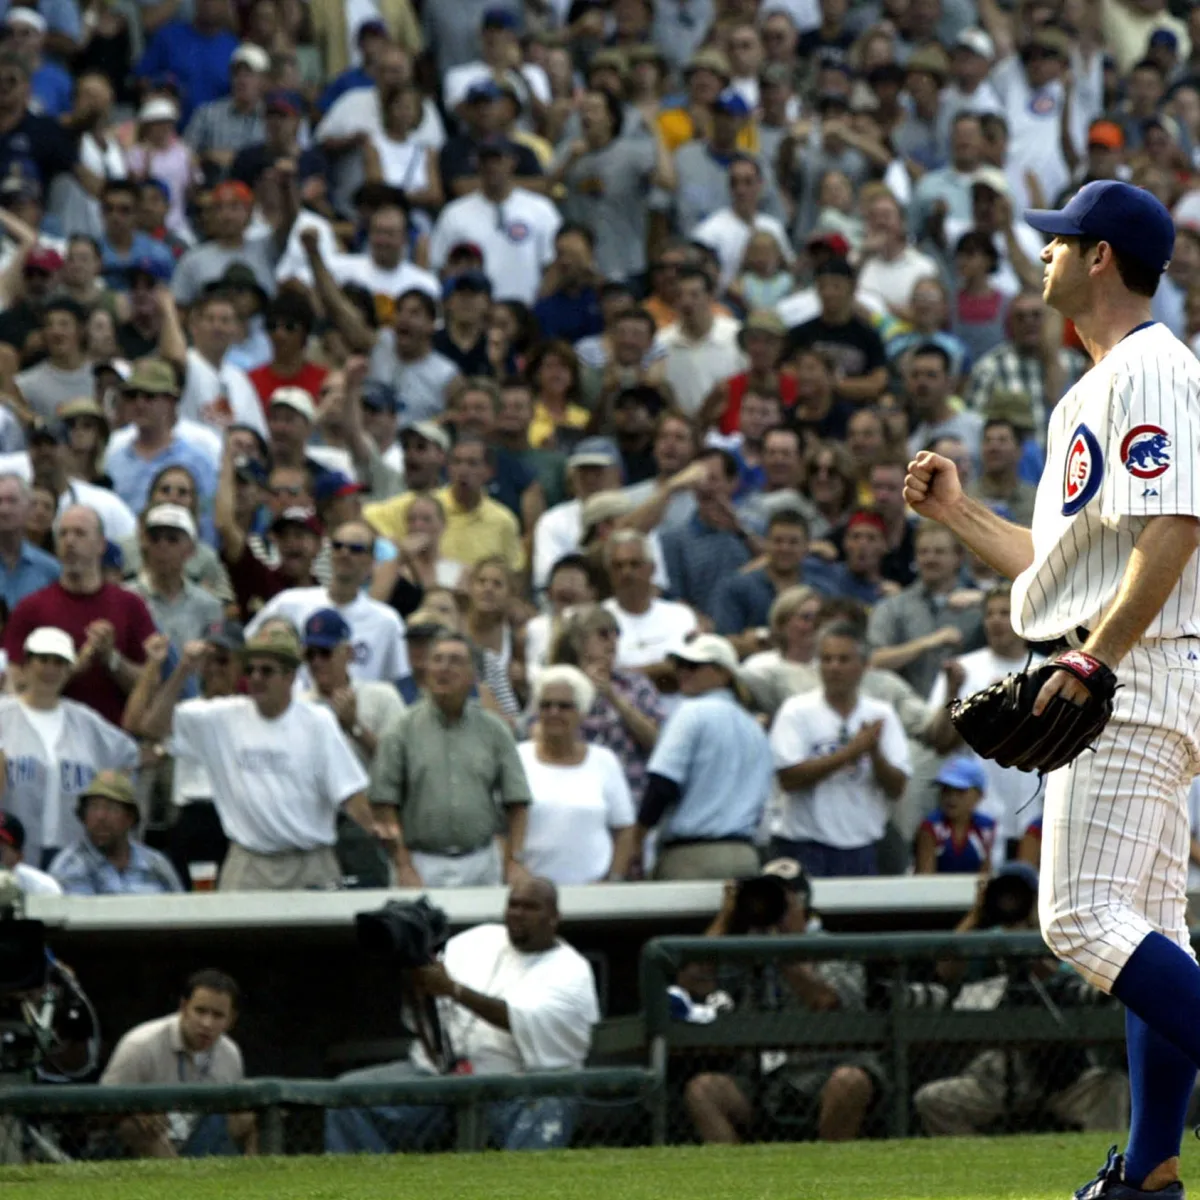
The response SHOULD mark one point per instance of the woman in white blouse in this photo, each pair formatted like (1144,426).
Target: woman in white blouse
(581,819)
(394,156)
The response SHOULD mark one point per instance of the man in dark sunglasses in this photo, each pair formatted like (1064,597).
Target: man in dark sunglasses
(289,321)
(376,631)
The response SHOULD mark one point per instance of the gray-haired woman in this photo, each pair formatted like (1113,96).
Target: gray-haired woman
(581,820)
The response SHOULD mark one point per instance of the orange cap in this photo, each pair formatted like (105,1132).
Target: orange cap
(1107,134)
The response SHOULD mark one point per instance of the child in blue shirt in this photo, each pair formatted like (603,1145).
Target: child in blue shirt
(955,839)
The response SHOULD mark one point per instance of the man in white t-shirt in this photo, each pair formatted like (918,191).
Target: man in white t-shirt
(1013,798)
(215,392)
(842,760)
(499,46)
(729,229)
(514,227)
(651,629)
(384,268)
(511,998)
(890,268)
(377,632)
(701,348)
(281,769)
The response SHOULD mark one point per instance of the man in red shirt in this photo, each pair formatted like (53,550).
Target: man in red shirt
(108,624)
(289,321)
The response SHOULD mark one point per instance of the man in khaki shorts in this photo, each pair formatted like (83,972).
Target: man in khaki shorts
(280,768)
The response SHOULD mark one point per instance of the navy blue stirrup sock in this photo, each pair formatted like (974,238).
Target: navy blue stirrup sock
(1161,1079)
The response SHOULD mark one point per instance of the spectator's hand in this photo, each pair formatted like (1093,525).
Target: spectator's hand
(157,646)
(962,598)
(729,895)
(150,1125)
(516,873)
(345,706)
(956,676)
(949,636)
(599,672)
(101,639)
(413,545)
(577,149)
(310,239)
(433,980)
(866,739)
(694,475)
(931,487)
(823,549)
(355,371)
(889,587)
(194,654)
(408,876)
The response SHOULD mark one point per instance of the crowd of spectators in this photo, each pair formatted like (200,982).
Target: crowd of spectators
(448,443)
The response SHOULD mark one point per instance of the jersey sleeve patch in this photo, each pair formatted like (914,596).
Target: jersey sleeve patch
(1145,451)
(1083,472)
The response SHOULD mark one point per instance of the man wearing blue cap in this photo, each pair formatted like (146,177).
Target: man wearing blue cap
(1112,569)
(513,226)
(702,167)
(463,338)
(499,49)
(956,839)
(482,115)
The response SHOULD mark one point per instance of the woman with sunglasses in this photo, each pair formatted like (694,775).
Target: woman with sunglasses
(581,819)
(832,487)
(177,485)
(87,439)
(627,710)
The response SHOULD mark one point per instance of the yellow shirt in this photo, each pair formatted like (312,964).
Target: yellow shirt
(677,127)
(543,425)
(471,534)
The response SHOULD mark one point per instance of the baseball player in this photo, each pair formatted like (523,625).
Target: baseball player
(1110,566)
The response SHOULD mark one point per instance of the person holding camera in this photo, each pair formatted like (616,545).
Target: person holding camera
(1070,1087)
(843,760)
(509,998)
(803,1094)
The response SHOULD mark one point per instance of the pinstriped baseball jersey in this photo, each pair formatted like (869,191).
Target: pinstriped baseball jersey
(1123,446)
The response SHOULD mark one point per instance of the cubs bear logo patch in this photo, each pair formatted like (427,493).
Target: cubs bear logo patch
(1144,451)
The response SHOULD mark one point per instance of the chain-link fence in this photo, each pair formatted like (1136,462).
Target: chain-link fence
(602,1106)
(790,1038)
(779,1038)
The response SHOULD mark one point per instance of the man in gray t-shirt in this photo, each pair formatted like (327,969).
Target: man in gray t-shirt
(232,204)
(66,372)
(609,181)
(404,358)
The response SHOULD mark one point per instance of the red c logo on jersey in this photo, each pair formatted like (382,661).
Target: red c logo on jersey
(1144,451)
(1082,471)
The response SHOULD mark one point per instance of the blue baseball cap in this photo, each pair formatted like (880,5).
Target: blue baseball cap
(1129,218)
(499,18)
(334,483)
(1026,872)
(325,629)
(963,772)
(1164,37)
(731,103)
(149,264)
(486,90)
(469,281)
(379,396)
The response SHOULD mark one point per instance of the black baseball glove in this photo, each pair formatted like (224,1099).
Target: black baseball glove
(998,722)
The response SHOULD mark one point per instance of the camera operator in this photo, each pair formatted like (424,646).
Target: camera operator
(1069,1087)
(510,998)
(188,1046)
(809,1093)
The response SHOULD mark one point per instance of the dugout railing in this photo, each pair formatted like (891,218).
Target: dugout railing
(917,1026)
(913,1023)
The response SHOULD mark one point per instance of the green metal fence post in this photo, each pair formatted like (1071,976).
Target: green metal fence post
(900,1051)
(270,1130)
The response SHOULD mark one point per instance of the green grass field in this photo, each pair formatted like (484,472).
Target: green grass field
(1032,1168)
